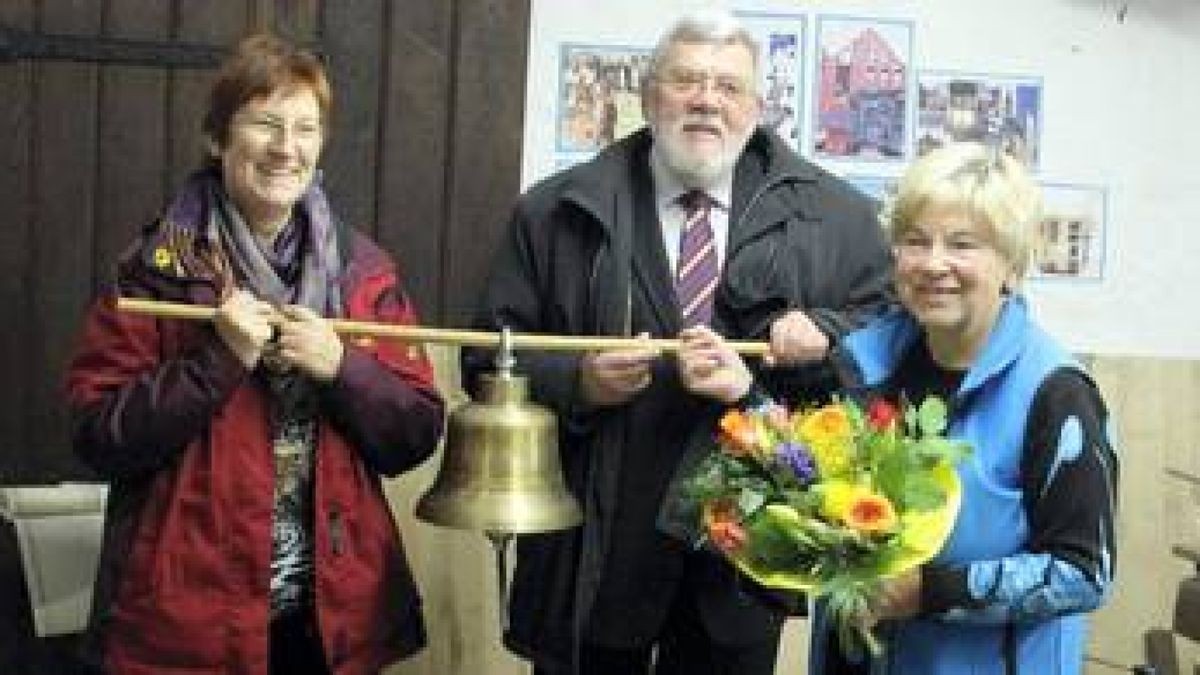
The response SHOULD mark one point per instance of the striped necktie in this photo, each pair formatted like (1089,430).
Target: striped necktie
(698,269)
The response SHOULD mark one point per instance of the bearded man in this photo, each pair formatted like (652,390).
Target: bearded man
(699,218)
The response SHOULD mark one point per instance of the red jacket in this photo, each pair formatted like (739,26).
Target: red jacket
(166,412)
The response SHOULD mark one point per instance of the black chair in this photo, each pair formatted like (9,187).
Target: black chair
(1176,651)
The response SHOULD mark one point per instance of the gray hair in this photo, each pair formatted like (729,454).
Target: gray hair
(705,26)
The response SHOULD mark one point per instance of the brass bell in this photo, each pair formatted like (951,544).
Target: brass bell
(500,469)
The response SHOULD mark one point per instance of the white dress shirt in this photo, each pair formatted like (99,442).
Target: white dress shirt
(672,215)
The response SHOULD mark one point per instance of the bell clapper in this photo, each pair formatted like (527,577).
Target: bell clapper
(500,546)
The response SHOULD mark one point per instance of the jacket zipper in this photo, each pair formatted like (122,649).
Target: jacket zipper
(336,531)
(758,194)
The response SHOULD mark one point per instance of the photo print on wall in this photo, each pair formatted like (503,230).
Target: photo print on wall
(998,110)
(782,43)
(860,107)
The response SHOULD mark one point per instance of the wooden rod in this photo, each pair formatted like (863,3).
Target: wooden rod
(449,336)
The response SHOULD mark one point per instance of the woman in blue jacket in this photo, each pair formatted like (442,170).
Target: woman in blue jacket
(1032,548)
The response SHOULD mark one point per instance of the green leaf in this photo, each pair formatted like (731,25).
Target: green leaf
(938,450)
(858,419)
(890,474)
(922,493)
(750,500)
(931,416)
(770,545)
(805,502)
(910,415)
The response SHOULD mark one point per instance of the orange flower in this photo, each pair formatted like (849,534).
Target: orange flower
(724,531)
(871,512)
(727,535)
(738,429)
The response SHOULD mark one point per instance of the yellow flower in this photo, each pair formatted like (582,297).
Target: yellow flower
(828,433)
(827,423)
(836,496)
(162,257)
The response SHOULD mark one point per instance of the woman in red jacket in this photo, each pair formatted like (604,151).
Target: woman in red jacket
(247,530)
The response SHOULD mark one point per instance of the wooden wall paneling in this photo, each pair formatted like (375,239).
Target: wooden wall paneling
(17,121)
(213,22)
(1152,402)
(489,104)
(132,137)
(415,109)
(451,139)
(64,175)
(351,36)
(294,19)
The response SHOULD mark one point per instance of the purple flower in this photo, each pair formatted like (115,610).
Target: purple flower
(796,457)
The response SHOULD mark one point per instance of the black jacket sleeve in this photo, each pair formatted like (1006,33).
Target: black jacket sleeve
(1069,480)
(518,296)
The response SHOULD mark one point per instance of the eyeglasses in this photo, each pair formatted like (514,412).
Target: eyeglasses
(689,82)
(918,246)
(267,124)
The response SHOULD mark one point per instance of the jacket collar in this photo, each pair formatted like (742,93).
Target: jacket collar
(596,185)
(607,187)
(1003,346)
(878,347)
(766,161)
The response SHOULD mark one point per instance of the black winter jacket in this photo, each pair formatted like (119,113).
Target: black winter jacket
(576,262)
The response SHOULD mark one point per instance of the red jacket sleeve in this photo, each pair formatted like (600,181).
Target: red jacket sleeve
(133,410)
(383,398)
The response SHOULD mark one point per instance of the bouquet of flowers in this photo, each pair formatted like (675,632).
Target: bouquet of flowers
(830,500)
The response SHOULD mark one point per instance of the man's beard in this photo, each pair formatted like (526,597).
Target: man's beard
(696,169)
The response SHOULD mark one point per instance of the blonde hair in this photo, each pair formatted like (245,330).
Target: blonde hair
(994,190)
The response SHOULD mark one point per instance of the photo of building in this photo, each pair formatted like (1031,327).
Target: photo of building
(1001,111)
(1069,240)
(862,75)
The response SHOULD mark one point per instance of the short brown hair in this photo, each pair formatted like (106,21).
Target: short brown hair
(258,66)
